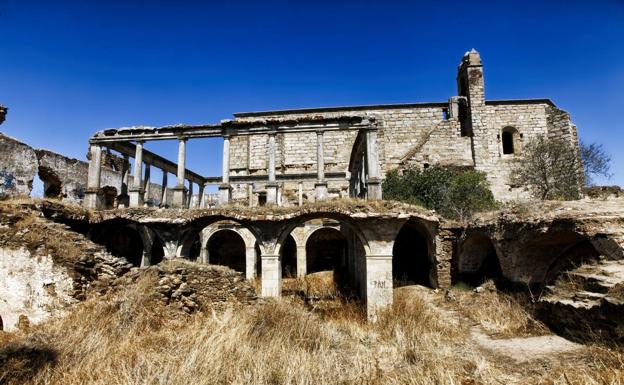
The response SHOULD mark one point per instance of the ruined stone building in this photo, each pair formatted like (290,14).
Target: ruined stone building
(292,156)
(288,158)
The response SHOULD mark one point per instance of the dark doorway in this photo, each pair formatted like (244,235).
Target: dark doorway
(289,258)
(325,250)
(411,264)
(508,142)
(122,241)
(158,251)
(227,248)
(478,261)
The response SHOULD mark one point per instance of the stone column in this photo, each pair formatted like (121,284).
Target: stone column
(93,178)
(378,284)
(189,204)
(225,190)
(123,198)
(271,186)
(136,192)
(146,183)
(250,262)
(271,275)
(200,200)
(203,254)
(163,198)
(302,267)
(320,187)
(300,194)
(373,182)
(178,190)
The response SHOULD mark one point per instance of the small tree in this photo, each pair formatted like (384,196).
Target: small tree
(453,193)
(549,169)
(596,161)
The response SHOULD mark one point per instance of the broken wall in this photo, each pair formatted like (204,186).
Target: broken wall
(18,166)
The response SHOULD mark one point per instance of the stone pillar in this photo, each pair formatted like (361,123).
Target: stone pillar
(136,192)
(271,186)
(123,198)
(203,253)
(225,190)
(320,187)
(146,183)
(373,182)
(271,275)
(178,190)
(378,284)
(163,198)
(93,178)
(302,267)
(300,194)
(250,262)
(201,200)
(189,200)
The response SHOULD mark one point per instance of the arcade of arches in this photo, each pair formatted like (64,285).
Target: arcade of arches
(373,254)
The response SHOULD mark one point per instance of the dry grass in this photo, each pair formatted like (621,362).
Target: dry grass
(499,314)
(127,338)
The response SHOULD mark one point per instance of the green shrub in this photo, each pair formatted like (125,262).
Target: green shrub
(452,192)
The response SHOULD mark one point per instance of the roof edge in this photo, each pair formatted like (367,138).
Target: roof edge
(382,107)
(339,108)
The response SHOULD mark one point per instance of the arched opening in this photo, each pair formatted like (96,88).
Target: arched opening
(107,196)
(477,261)
(52,186)
(571,257)
(121,240)
(157,252)
(325,250)
(1,324)
(289,258)
(510,140)
(227,248)
(411,260)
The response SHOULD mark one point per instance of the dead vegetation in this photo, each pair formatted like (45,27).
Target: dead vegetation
(499,314)
(130,338)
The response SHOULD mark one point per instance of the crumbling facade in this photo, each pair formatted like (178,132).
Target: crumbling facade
(294,156)
(288,158)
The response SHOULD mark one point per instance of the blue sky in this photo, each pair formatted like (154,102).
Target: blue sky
(70,68)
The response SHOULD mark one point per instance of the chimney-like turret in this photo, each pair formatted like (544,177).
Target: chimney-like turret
(470,79)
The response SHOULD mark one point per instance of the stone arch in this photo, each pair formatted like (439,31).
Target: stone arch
(546,255)
(194,230)
(325,249)
(250,244)
(413,256)
(477,260)
(357,247)
(342,219)
(510,141)
(289,257)
(226,247)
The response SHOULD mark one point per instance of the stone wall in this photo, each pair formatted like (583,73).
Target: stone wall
(18,166)
(418,135)
(63,177)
